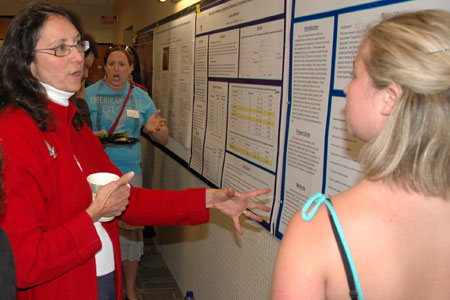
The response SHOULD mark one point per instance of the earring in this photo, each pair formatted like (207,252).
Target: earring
(130,78)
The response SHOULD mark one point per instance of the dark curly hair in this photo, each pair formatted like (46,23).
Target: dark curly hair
(92,45)
(18,86)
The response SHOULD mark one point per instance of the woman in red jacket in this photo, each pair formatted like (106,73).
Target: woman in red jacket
(60,249)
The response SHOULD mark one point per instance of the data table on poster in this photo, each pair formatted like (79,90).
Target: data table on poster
(253,122)
(261,54)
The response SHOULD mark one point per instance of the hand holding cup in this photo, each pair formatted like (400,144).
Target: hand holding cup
(110,195)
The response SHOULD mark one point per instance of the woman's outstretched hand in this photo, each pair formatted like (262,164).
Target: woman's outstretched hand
(157,129)
(155,123)
(234,204)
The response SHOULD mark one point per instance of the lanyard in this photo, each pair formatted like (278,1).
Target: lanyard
(113,127)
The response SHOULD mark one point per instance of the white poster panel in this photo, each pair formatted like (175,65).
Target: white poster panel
(200,103)
(321,156)
(311,60)
(214,152)
(245,177)
(173,78)
(351,27)
(261,51)
(253,122)
(343,169)
(224,54)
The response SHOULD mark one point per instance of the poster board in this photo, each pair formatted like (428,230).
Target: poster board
(320,154)
(258,97)
(232,62)
(173,65)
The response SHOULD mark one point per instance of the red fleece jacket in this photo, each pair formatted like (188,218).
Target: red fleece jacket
(53,238)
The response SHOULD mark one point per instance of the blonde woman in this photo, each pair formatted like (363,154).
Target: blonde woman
(392,227)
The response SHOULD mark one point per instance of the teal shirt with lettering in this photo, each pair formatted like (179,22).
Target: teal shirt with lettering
(105,104)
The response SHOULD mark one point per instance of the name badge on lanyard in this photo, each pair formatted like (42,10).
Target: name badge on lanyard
(132,113)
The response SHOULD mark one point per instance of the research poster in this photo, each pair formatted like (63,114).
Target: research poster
(231,56)
(240,84)
(320,155)
(173,79)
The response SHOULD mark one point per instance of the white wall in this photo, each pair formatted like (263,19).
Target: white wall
(211,259)
(140,14)
(89,14)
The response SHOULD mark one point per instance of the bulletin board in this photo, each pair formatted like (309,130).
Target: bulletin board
(320,155)
(253,94)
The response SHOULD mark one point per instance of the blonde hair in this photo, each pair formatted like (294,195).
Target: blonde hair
(412,51)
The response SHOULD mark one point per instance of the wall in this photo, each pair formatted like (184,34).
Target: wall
(140,14)
(89,14)
(210,259)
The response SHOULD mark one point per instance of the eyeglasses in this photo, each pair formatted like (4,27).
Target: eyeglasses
(64,49)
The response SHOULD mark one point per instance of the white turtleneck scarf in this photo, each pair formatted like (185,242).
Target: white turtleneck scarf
(104,258)
(58,96)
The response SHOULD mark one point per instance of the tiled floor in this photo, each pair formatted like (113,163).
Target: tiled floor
(155,282)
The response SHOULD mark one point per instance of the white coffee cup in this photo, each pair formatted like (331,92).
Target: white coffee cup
(96,181)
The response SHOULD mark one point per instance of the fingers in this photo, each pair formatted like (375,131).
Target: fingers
(259,206)
(253,216)
(105,191)
(125,179)
(230,192)
(257,193)
(155,122)
(237,225)
(249,215)
(109,188)
(161,123)
(157,115)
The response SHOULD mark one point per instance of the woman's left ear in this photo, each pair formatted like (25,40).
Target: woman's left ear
(33,68)
(392,95)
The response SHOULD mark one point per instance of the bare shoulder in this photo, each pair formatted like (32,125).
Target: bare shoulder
(392,234)
(302,258)
(308,264)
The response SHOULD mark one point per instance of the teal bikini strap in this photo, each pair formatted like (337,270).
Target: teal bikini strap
(318,199)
